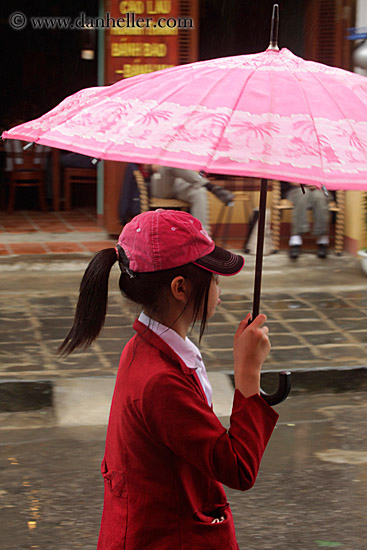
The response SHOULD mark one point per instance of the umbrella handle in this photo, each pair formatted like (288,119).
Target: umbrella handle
(281,394)
(284,387)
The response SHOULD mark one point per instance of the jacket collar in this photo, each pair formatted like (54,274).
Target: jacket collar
(154,340)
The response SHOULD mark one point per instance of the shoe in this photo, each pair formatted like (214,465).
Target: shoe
(222,194)
(322,250)
(294,251)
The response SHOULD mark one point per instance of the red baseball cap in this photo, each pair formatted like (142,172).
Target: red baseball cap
(164,239)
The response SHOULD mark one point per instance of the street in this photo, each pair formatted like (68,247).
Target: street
(310,492)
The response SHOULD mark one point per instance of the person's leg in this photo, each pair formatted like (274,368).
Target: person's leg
(300,223)
(161,187)
(320,211)
(225,196)
(301,203)
(196,196)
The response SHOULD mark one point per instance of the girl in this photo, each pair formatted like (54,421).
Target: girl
(167,454)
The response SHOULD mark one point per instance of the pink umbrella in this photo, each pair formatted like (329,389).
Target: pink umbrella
(268,115)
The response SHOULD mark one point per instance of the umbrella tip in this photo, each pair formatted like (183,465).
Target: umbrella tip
(273,45)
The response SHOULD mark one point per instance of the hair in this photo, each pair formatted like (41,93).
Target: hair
(146,289)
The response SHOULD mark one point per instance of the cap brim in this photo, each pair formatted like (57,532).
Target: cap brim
(221,262)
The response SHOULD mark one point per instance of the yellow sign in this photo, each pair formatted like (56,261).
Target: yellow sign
(158,7)
(132,7)
(150,7)
(133,70)
(138,49)
(144,36)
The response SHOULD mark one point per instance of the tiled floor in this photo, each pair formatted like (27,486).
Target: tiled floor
(34,232)
(76,231)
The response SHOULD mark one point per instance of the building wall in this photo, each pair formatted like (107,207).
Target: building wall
(353,221)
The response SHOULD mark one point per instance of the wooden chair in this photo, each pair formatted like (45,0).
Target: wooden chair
(25,168)
(279,205)
(152,203)
(74,176)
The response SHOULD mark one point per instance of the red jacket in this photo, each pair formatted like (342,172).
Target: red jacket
(167,454)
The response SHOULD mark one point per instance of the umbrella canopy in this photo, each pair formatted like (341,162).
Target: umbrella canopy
(270,115)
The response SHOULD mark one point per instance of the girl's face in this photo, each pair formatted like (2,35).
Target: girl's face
(213,298)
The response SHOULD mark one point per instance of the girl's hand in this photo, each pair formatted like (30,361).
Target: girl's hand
(251,346)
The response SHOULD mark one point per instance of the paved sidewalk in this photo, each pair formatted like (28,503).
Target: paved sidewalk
(308,329)
(317,315)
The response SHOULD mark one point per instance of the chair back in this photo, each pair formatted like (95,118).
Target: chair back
(18,159)
(25,168)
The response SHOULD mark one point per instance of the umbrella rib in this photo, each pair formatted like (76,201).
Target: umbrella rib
(313,122)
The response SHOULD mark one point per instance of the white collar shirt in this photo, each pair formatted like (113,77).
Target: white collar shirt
(184,348)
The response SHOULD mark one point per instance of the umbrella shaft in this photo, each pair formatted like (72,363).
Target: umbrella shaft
(260,248)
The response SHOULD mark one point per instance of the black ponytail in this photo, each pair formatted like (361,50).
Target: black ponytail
(92,303)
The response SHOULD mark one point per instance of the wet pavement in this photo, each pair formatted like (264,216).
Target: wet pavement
(310,492)
(313,323)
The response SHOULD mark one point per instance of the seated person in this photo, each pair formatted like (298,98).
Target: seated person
(313,199)
(189,186)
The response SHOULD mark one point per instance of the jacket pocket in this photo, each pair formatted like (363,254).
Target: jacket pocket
(114,480)
(214,529)
(218,513)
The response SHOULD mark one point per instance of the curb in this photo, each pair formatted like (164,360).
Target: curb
(86,401)
(26,395)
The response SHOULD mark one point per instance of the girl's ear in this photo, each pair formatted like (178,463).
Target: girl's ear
(180,288)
